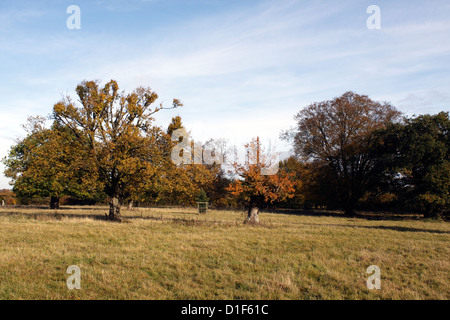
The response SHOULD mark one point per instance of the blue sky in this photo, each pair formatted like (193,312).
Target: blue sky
(241,68)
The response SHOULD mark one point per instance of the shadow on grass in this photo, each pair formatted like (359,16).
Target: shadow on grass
(68,207)
(404,229)
(52,216)
(58,215)
(393,228)
(381,216)
(372,216)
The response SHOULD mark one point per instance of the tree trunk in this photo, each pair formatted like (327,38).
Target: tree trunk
(54,202)
(350,212)
(130,204)
(350,204)
(114,209)
(432,213)
(253,215)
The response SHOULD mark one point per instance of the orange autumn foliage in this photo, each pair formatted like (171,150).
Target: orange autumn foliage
(256,188)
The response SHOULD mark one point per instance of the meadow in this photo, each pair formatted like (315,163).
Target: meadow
(176,253)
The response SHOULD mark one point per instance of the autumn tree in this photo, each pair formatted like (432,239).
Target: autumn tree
(7,197)
(114,128)
(185,172)
(149,190)
(297,170)
(217,189)
(309,184)
(337,133)
(45,163)
(255,187)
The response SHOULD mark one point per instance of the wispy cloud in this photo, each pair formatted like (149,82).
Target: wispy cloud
(241,68)
(11,19)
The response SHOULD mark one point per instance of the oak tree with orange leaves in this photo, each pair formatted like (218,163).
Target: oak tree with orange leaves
(116,130)
(257,188)
(337,133)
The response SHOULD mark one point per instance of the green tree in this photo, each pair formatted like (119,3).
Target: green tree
(416,157)
(202,196)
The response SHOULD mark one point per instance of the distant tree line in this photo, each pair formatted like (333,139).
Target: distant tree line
(350,153)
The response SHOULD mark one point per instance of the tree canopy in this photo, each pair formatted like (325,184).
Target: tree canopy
(45,163)
(256,188)
(348,152)
(115,130)
(417,161)
(338,134)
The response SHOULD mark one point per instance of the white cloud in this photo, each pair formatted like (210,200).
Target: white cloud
(245,72)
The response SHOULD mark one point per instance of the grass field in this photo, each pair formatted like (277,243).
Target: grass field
(179,254)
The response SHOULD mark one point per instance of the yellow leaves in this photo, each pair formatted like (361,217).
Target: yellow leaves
(59,108)
(117,129)
(176,103)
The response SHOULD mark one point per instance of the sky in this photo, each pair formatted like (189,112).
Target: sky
(241,68)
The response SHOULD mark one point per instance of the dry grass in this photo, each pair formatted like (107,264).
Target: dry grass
(178,254)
